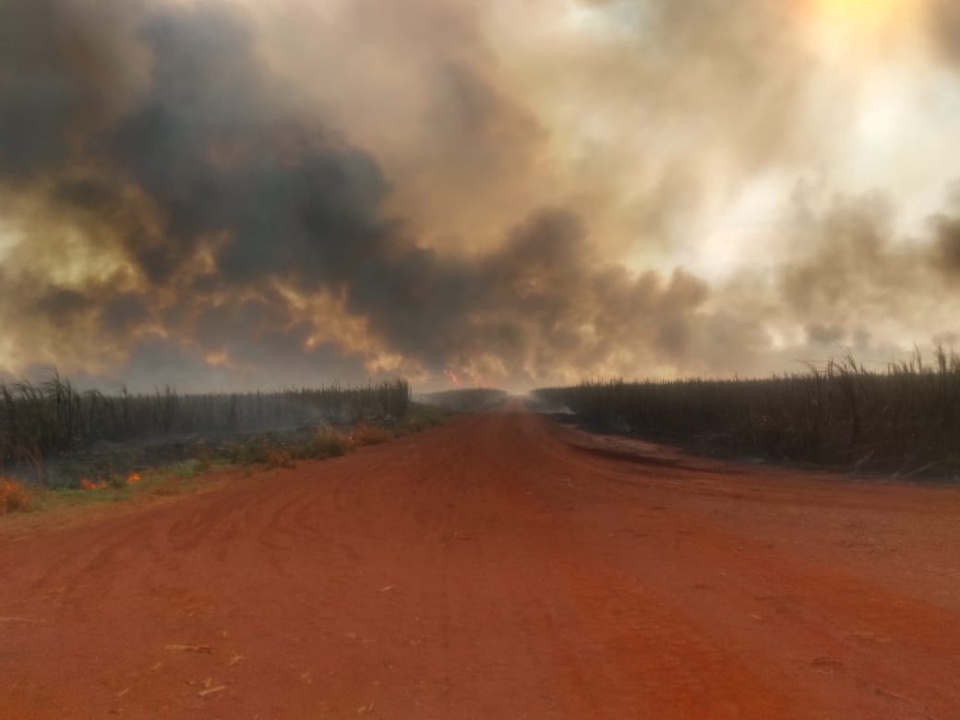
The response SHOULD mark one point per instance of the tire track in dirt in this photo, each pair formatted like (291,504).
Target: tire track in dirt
(858,632)
(486,569)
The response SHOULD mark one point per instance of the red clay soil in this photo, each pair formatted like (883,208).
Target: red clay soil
(499,567)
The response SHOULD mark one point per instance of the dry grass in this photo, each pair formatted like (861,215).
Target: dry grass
(274,452)
(280,458)
(365,434)
(329,443)
(13,497)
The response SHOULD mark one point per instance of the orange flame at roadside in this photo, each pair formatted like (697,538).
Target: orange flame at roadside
(452,376)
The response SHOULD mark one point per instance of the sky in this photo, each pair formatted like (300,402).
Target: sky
(235,194)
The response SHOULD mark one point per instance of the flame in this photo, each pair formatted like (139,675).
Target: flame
(87,485)
(133,478)
(452,376)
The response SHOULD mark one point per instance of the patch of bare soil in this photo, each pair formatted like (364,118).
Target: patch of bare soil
(501,566)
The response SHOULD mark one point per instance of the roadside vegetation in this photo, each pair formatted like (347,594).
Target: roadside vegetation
(160,482)
(13,497)
(51,417)
(59,445)
(904,418)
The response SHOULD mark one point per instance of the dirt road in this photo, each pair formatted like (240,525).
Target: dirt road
(499,567)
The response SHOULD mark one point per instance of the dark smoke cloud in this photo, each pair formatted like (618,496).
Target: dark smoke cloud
(196,203)
(946,233)
(819,334)
(65,69)
(216,191)
(945,27)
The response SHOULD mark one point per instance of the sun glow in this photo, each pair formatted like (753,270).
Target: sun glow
(865,12)
(863,24)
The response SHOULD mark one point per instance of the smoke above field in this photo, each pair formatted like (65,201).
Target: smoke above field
(222,194)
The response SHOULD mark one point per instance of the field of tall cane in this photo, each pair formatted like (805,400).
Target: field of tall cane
(904,418)
(50,417)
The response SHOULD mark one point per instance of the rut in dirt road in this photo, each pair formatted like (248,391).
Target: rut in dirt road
(498,567)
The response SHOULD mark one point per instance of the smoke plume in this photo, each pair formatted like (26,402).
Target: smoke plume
(210,193)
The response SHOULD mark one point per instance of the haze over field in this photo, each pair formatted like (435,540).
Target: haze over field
(234,194)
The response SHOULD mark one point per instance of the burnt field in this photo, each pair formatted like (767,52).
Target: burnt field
(53,434)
